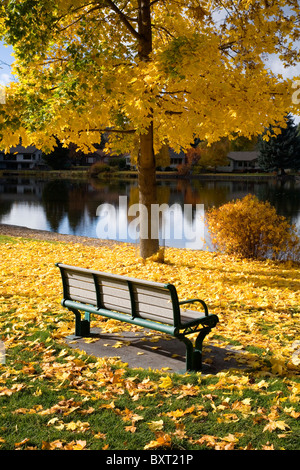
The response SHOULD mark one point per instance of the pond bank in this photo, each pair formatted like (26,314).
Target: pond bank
(25,232)
(84,173)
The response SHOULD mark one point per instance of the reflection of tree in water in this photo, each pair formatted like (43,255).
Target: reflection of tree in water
(106,192)
(5,207)
(77,203)
(284,196)
(55,198)
(78,200)
(210,193)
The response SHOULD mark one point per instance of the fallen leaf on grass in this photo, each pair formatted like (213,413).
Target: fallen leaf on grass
(20,444)
(100,435)
(166,382)
(272,425)
(156,425)
(9,391)
(162,440)
(131,428)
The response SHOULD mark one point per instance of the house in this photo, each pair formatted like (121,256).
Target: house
(21,158)
(100,156)
(176,158)
(241,162)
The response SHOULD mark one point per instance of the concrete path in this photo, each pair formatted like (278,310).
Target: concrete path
(166,354)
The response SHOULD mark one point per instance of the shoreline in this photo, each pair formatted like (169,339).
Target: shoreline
(26,232)
(125,175)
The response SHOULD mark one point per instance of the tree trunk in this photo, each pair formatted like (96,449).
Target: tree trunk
(149,242)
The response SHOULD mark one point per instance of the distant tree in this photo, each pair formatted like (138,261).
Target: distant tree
(59,158)
(201,155)
(243,144)
(282,151)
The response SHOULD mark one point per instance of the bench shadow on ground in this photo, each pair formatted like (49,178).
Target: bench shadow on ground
(166,354)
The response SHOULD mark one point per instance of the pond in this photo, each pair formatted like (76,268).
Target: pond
(108,209)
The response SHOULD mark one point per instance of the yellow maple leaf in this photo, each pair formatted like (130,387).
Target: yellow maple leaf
(131,428)
(272,425)
(166,382)
(156,425)
(162,440)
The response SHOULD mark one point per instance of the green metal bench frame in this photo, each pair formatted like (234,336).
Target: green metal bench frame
(176,323)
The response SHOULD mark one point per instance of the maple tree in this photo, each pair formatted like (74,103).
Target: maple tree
(151,72)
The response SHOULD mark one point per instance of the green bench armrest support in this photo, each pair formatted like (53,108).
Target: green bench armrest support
(191,301)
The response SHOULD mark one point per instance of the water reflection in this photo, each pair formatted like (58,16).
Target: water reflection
(70,206)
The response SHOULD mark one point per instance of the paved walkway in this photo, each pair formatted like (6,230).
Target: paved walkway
(154,352)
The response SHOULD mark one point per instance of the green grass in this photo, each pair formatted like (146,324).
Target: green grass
(103,417)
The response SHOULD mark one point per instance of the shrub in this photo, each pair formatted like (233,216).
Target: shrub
(250,228)
(97,168)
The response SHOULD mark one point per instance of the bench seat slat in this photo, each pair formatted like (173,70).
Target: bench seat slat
(157,318)
(187,316)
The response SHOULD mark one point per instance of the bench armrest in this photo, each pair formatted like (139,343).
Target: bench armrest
(191,301)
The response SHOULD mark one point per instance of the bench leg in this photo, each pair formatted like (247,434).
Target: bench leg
(198,347)
(189,358)
(82,327)
(194,354)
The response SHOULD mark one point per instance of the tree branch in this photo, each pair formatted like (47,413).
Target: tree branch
(154,1)
(110,130)
(123,18)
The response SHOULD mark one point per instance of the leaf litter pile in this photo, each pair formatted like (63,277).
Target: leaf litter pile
(54,397)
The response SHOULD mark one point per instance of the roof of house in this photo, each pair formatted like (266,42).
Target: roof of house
(21,149)
(174,154)
(243,156)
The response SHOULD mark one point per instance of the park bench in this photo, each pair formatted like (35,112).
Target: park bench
(147,304)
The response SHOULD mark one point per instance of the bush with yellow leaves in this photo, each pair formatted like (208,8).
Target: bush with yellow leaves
(250,228)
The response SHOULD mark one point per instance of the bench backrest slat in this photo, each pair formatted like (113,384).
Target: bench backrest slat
(153,303)
(127,295)
(79,286)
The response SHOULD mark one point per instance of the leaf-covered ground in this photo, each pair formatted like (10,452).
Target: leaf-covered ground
(53,397)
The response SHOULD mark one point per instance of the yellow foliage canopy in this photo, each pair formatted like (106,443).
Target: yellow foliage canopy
(79,71)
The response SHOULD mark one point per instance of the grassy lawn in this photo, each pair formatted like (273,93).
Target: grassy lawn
(54,397)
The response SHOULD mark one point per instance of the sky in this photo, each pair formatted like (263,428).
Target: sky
(274,64)
(5,60)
